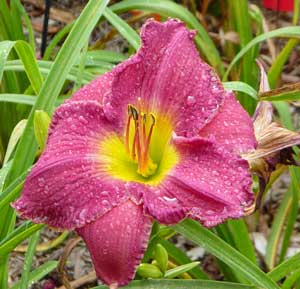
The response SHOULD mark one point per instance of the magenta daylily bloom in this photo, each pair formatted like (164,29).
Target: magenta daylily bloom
(155,138)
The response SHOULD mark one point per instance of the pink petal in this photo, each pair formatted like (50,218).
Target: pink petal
(210,184)
(95,90)
(231,127)
(67,188)
(117,242)
(168,74)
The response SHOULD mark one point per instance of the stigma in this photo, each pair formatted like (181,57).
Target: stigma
(138,133)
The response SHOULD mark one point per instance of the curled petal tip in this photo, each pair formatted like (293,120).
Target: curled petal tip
(250,209)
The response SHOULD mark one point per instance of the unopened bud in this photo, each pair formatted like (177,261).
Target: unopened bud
(41,125)
(161,257)
(149,271)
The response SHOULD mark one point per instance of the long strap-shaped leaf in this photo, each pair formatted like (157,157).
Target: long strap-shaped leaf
(53,84)
(124,29)
(286,32)
(219,248)
(182,284)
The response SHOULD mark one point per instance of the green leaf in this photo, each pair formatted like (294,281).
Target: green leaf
(242,87)
(277,65)
(286,93)
(14,138)
(172,273)
(33,241)
(16,237)
(292,216)
(11,193)
(5,48)
(23,99)
(41,124)
(171,9)
(25,17)
(27,56)
(124,29)
(39,273)
(277,229)
(285,268)
(291,280)
(81,67)
(181,258)
(56,39)
(45,68)
(182,284)
(219,248)
(240,16)
(106,56)
(3,172)
(285,32)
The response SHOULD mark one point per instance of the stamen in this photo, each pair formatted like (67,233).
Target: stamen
(149,135)
(141,139)
(127,136)
(134,112)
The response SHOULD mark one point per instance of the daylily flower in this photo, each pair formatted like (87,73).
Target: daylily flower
(158,137)
(274,142)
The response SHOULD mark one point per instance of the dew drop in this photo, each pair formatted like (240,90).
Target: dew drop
(190,99)
(105,203)
(169,199)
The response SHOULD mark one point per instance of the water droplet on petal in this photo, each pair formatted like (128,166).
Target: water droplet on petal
(190,99)
(169,199)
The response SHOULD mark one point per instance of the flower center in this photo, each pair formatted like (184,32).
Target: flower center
(138,137)
(144,153)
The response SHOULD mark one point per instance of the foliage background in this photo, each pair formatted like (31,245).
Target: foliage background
(230,36)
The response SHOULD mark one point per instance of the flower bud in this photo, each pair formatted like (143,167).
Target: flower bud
(161,257)
(41,124)
(149,271)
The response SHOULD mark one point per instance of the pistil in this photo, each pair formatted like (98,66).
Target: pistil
(141,138)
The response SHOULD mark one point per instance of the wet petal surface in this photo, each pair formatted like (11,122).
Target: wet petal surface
(67,187)
(231,127)
(210,184)
(168,75)
(117,242)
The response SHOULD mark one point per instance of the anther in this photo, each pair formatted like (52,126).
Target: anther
(134,113)
(152,118)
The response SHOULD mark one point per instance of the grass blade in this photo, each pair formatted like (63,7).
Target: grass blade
(277,66)
(241,19)
(285,32)
(5,48)
(172,273)
(242,87)
(182,284)
(286,93)
(277,228)
(124,29)
(27,56)
(219,248)
(181,258)
(38,273)
(23,99)
(12,241)
(33,241)
(285,268)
